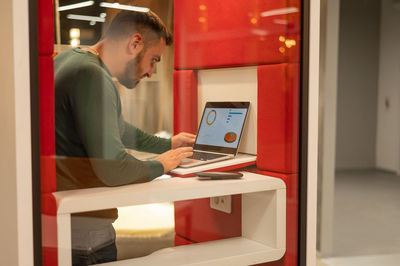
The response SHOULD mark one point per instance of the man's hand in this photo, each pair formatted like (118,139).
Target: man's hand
(171,159)
(183,139)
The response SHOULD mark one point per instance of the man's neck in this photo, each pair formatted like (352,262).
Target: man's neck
(109,53)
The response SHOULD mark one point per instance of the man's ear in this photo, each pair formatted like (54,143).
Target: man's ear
(135,44)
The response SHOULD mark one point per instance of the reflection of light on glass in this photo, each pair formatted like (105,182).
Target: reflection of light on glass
(202,7)
(280,11)
(85,18)
(74,42)
(281,21)
(282,38)
(124,7)
(164,177)
(290,43)
(77,5)
(202,19)
(260,32)
(253,21)
(282,50)
(74,33)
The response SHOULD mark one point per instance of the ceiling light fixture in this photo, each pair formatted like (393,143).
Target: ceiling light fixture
(86,18)
(77,5)
(124,7)
(281,11)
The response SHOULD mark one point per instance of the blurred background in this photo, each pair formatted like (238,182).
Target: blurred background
(359,133)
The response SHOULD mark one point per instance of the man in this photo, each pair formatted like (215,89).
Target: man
(91,134)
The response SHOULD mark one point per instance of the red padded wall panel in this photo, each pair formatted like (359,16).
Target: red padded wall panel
(212,34)
(49,230)
(195,220)
(179,241)
(45,27)
(292,41)
(185,101)
(47,127)
(47,131)
(278,119)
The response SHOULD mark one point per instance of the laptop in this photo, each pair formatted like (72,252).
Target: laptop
(219,133)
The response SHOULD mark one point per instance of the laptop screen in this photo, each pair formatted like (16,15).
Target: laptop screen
(221,126)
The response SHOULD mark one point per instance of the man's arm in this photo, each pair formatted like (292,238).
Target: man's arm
(137,139)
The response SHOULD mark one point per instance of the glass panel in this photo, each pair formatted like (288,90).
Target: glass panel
(359,181)
(129,98)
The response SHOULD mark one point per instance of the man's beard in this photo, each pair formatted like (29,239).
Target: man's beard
(132,68)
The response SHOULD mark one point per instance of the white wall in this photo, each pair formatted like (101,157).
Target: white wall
(312,148)
(357,84)
(388,130)
(327,123)
(16,245)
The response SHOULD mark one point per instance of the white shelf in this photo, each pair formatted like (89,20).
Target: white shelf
(232,251)
(240,158)
(263,218)
(160,190)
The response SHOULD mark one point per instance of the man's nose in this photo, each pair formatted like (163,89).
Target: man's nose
(150,72)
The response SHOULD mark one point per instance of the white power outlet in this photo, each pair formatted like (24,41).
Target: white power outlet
(221,203)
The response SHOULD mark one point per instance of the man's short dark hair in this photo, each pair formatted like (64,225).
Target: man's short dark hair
(148,24)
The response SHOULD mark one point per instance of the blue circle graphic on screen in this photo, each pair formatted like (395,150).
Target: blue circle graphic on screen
(230,137)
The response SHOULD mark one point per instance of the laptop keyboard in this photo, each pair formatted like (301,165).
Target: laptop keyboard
(205,156)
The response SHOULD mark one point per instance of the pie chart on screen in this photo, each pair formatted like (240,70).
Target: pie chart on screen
(230,137)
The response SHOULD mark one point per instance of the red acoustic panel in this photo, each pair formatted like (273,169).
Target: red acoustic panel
(196,221)
(278,118)
(292,39)
(49,230)
(212,34)
(45,27)
(48,173)
(180,241)
(185,101)
(47,124)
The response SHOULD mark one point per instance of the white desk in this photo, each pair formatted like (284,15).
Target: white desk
(263,218)
(239,159)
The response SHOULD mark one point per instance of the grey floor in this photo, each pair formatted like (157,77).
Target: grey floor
(367,213)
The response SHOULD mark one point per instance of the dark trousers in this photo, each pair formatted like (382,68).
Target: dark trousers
(103,255)
(93,241)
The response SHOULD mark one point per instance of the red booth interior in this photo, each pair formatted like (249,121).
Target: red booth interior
(208,34)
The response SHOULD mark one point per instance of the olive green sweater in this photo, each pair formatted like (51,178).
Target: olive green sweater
(91,133)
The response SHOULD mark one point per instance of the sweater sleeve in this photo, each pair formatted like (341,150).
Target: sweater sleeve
(95,110)
(137,139)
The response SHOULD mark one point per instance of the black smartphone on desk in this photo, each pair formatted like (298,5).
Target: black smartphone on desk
(218,175)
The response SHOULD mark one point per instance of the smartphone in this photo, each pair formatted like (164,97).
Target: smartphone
(218,175)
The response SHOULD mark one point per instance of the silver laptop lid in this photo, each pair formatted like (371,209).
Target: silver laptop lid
(221,127)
